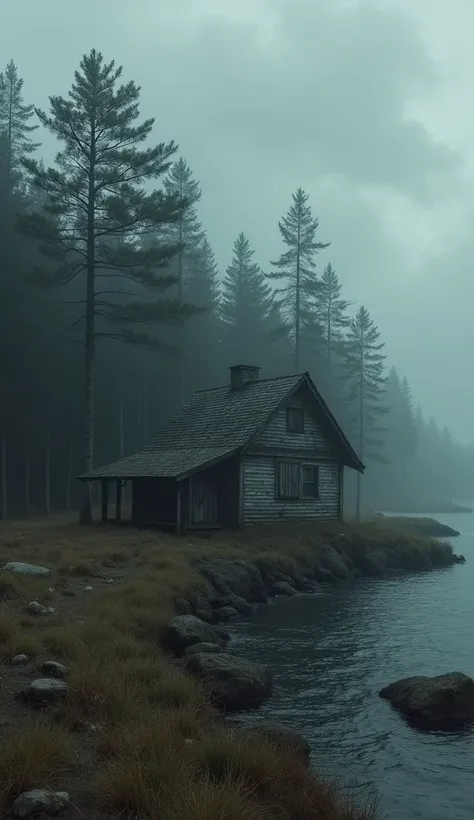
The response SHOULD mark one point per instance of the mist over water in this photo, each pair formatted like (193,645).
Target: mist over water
(332,654)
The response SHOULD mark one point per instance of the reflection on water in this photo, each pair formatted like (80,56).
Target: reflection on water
(332,654)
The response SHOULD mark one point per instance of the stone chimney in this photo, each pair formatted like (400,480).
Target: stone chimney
(242,374)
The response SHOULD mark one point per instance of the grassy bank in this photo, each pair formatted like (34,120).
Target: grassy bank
(135,735)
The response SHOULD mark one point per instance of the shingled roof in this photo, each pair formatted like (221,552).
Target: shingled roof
(213,425)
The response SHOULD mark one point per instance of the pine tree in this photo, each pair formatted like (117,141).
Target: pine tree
(246,305)
(97,212)
(15,127)
(187,232)
(331,316)
(364,381)
(201,343)
(297,266)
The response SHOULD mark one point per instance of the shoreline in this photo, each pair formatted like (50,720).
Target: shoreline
(123,699)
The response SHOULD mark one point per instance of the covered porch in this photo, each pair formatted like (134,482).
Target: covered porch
(205,499)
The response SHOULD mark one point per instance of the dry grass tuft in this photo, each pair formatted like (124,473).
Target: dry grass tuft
(207,800)
(33,756)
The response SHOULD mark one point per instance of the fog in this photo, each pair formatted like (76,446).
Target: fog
(366,106)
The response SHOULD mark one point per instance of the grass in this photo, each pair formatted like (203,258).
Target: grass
(34,756)
(159,750)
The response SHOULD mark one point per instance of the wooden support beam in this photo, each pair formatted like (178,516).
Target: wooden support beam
(178,508)
(118,504)
(105,499)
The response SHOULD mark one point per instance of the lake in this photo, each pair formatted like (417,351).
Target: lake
(332,654)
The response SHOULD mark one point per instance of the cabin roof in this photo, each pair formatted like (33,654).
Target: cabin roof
(216,423)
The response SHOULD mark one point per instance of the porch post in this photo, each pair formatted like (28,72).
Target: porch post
(118,504)
(178,508)
(105,499)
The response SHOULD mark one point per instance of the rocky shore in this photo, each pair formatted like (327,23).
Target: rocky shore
(235,587)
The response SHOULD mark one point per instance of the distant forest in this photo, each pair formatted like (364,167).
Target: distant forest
(113,310)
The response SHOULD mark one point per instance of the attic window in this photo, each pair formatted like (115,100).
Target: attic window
(295,420)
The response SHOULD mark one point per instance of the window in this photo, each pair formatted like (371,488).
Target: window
(295,480)
(310,481)
(295,420)
(288,479)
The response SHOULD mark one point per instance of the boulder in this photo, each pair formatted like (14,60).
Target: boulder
(374,563)
(325,576)
(45,690)
(39,801)
(53,669)
(225,613)
(235,577)
(281,736)
(202,647)
(234,683)
(186,630)
(283,588)
(440,702)
(332,561)
(240,604)
(183,607)
(19,568)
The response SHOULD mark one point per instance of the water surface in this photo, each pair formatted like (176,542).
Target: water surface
(332,654)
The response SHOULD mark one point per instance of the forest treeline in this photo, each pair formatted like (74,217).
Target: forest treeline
(113,310)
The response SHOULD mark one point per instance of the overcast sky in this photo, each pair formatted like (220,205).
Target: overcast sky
(368,106)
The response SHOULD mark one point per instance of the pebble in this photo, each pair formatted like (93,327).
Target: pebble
(88,589)
(20,659)
(46,690)
(53,669)
(35,608)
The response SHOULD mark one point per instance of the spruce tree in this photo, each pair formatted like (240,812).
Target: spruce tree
(364,382)
(97,213)
(246,305)
(331,316)
(15,125)
(296,266)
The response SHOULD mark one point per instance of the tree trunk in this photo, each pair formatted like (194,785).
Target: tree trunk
(27,485)
(121,418)
(3,478)
(139,419)
(69,475)
(297,308)
(47,474)
(86,511)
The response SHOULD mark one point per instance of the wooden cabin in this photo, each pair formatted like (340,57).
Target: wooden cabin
(255,451)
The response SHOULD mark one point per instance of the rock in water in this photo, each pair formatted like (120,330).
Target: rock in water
(225,613)
(186,630)
(46,690)
(440,702)
(283,588)
(39,801)
(26,569)
(234,683)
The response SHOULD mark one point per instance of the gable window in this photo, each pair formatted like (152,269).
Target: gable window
(288,479)
(309,481)
(295,420)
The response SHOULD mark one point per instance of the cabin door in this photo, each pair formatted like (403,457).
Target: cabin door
(203,500)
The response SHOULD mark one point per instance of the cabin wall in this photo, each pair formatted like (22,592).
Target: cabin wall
(314,440)
(261,506)
(218,488)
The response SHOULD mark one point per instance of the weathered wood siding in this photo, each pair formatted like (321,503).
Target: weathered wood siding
(274,434)
(261,506)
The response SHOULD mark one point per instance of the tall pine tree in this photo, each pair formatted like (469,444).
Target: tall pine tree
(331,316)
(296,267)
(15,125)
(188,234)
(97,210)
(246,306)
(364,382)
